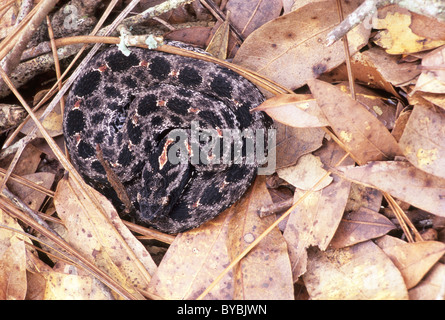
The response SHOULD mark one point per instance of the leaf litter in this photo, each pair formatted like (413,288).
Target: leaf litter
(340,240)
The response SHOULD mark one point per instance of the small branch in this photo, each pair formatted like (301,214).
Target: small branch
(431,8)
(154,12)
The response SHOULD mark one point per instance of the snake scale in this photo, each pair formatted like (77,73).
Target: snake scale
(128,105)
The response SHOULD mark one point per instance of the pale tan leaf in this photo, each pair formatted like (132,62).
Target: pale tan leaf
(12,260)
(292,143)
(360,272)
(403,181)
(363,135)
(102,239)
(397,36)
(314,221)
(413,260)
(305,173)
(65,284)
(423,140)
(52,123)
(380,70)
(290,49)
(193,260)
(265,273)
(432,287)
(361,225)
(295,110)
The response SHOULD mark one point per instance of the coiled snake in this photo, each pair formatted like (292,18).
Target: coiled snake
(128,105)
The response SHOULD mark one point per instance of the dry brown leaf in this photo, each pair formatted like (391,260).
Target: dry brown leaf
(432,286)
(413,260)
(305,173)
(103,240)
(434,98)
(423,140)
(28,162)
(291,49)
(314,221)
(193,260)
(219,42)
(400,123)
(365,137)
(403,181)
(12,260)
(52,123)
(397,36)
(31,197)
(63,283)
(294,110)
(360,272)
(380,70)
(359,226)
(362,196)
(247,16)
(427,27)
(292,143)
(265,273)
(432,79)
(198,256)
(380,107)
(197,36)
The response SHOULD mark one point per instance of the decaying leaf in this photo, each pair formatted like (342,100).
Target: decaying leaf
(198,256)
(403,181)
(362,196)
(29,196)
(359,226)
(273,280)
(64,283)
(398,38)
(413,260)
(193,260)
(432,287)
(13,282)
(247,16)
(423,140)
(305,173)
(314,221)
(290,49)
(292,143)
(432,79)
(380,70)
(103,240)
(294,110)
(52,123)
(359,272)
(365,137)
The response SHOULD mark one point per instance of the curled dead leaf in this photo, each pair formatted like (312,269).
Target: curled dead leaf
(294,110)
